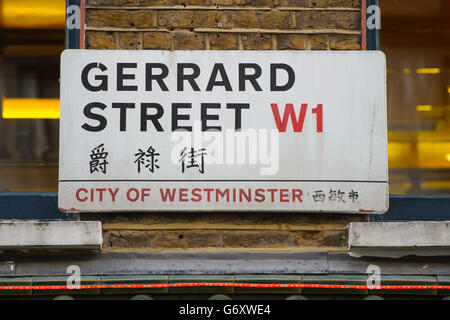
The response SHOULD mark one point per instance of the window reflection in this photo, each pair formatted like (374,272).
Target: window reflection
(415,36)
(31,40)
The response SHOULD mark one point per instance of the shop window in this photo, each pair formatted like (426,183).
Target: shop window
(415,36)
(31,41)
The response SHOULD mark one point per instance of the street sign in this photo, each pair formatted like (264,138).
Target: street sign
(223,131)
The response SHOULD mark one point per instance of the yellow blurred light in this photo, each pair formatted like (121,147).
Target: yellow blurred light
(33,14)
(28,108)
(428,70)
(436,185)
(406,70)
(447,156)
(401,155)
(423,155)
(432,155)
(423,108)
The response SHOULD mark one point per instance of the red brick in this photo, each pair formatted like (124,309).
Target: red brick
(189,18)
(127,239)
(188,41)
(294,3)
(188,2)
(318,42)
(223,41)
(345,42)
(141,18)
(157,40)
(257,41)
(256,239)
(348,20)
(110,2)
(129,41)
(335,3)
(258,19)
(119,18)
(100,40)
(152,2)
(320,238)
(238,3)
(184,239)
(103,18)
(292,41)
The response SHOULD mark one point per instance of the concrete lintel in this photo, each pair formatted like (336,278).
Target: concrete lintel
(397,239)
(52,235)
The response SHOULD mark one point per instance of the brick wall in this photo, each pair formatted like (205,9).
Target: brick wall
(224,231)
(224,25)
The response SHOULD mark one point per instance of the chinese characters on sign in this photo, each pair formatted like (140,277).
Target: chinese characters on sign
(98,159)
(193,158)
(148,159)
(335,195)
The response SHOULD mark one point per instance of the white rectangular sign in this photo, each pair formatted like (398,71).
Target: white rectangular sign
(223,131)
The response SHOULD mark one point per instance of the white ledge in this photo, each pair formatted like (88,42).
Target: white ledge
(53,235)
(397,239)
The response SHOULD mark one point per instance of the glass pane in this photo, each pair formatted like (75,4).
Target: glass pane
(415,36)
(29,72)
